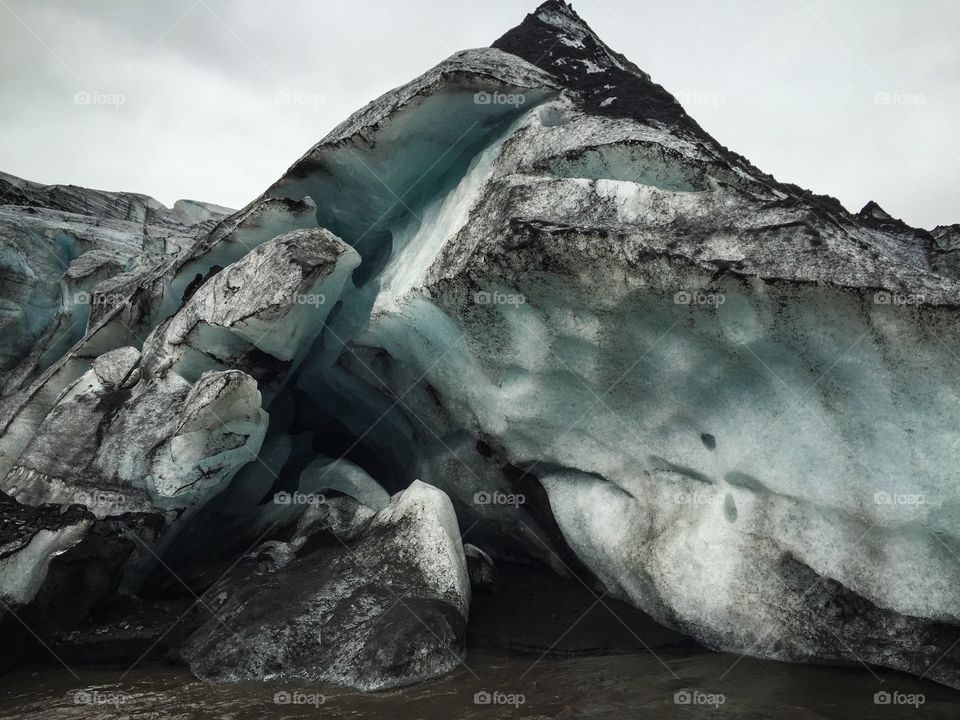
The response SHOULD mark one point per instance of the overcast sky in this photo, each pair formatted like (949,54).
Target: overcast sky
(178,98)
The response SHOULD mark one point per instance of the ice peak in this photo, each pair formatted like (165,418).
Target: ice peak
(556,39)
(562,16)
(873,210)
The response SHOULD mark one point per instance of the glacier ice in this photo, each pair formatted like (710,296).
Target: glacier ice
(526,296)
(388,611)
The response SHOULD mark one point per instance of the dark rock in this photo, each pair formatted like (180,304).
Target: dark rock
(480,567)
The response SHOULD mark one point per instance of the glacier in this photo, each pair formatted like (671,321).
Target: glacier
(525,296)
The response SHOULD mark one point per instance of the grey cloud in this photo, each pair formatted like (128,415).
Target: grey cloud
(794,87)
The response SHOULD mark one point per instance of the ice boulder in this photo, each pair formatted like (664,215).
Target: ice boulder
(116,442)
(30,538)
(385,610)
(261,312)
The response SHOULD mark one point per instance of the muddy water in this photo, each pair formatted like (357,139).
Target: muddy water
(691,685)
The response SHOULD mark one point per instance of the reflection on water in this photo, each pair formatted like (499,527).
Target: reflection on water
(683,685)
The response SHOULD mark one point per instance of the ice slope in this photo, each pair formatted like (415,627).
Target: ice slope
(59,244)
(739,398)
